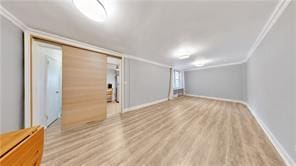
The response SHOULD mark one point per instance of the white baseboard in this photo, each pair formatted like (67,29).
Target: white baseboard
(216,98)
(285,156)
(280,149)
(144,105)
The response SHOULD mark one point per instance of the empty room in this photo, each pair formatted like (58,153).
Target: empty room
(148,82)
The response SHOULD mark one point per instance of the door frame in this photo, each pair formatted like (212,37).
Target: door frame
(49,58)
(38,119)
(29,118)
(121,70)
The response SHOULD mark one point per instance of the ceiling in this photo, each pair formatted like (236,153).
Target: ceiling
(220,31)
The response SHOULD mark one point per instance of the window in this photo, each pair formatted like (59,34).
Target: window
(177,80)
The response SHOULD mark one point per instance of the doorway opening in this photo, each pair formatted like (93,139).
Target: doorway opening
(47,82)
(62,90)
(113,93)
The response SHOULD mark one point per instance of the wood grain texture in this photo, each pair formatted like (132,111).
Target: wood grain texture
(9,140)
(84,87)
(186,131)
(26,147)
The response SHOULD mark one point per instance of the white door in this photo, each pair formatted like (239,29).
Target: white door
(53,89)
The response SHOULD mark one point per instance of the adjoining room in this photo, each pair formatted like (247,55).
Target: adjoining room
(47,79)
(113,86)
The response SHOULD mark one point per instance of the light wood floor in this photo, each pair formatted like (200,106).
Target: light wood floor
(186,131)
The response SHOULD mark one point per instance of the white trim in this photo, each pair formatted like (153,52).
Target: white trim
(147,61)
(216,66)
(12,18)
(68,41)
(145,105)
(280,149)
(121,75)
(215,98)
(27,80)
(279,9)
(283,153)
(64,40)
(122,85)
(55,37)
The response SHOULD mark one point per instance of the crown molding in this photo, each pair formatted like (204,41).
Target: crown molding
(147,61)
(54,37)
(61,39)
(216,66)
(42,34)
(279,9)
(12,18)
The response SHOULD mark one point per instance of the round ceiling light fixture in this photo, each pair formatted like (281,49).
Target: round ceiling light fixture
(184,56)
(93,9)
(201,63)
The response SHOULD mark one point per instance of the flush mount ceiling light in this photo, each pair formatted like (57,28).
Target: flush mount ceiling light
(185,51)
(93,9)
(183,56)
(201,63)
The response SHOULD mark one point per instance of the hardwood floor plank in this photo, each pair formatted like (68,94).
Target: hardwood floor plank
(185,131)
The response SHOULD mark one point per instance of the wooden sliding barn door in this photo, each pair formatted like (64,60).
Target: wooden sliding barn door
(84,87)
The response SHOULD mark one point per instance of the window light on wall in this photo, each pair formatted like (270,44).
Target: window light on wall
(177,79)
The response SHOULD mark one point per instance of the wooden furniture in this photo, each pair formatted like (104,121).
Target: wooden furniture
(22,147)
(84,87)
(109,94)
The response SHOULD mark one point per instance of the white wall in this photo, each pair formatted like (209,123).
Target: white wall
(271,80)
(11,77)
(221,82)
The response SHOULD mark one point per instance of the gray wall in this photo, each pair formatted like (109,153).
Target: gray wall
(12,88)
(144,82)
(271,80)
(222,82)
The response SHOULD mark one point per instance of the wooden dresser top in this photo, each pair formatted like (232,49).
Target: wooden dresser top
(9,140)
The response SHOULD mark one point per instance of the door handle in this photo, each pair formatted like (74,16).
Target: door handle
(57,91)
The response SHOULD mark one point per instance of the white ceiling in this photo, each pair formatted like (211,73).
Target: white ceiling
(221,31)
